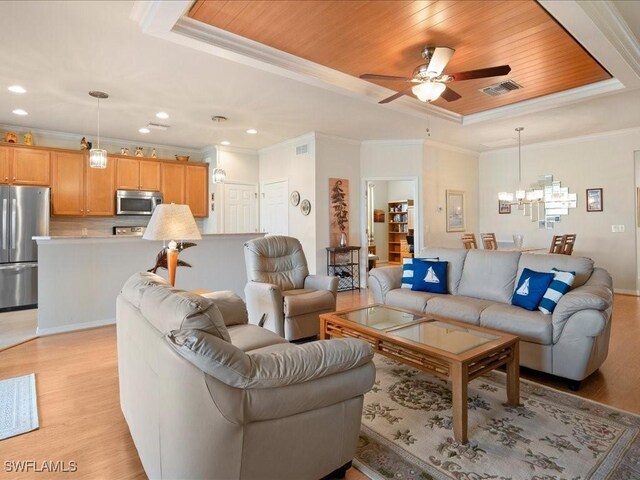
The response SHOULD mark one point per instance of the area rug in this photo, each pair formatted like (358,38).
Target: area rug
(406,432)
(18,406)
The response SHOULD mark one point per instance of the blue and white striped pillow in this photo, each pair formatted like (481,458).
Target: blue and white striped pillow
(560,285)
(407,270)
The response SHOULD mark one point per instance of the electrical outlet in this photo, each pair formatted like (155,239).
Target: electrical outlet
(617,228)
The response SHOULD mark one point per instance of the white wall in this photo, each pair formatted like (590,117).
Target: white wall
(400,190)
(280,162)
(336,158)
(381,230)
(447,168)
(603,161)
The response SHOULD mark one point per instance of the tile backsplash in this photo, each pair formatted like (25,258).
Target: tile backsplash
(96,226)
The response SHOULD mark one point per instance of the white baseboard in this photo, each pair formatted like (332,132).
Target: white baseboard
(627,292)
(74,326)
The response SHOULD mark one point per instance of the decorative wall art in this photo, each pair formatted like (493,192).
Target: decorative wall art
(455,211)
(594,200)
(378,215)
(305,207)
(504,207)
(294,198)
(339,212)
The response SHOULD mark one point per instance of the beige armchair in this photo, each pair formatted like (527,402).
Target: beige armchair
(281,295)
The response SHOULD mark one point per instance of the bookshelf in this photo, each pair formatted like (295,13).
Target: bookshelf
(400,224)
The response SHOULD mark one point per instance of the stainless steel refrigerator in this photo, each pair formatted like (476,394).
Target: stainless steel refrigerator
(24,214)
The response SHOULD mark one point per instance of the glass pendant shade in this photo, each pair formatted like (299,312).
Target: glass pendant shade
(505,197)
(219,175)
(98,158)
(520,194)
(428,91)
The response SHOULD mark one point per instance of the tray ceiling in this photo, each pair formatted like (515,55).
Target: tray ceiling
(386,37)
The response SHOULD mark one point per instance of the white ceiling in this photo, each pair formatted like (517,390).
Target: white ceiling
(61,50)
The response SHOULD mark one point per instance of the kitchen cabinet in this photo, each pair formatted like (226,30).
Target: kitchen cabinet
(173,183)
(30,167)
(197,189)
(133,174)
(4,165)
(79,190)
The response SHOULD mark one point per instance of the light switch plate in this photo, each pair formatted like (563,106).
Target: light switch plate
(617,228)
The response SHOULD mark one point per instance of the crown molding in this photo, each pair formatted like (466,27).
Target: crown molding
(335,138)
(234,149)
(410,141)
(451,148)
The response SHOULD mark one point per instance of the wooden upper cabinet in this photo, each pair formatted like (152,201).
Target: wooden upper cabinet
(197,189)
(149,176)
(127,174)
(172,185)
(68,184)
(100,190)
(4,165)
(30,167)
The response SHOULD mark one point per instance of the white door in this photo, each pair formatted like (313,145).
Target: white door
(240,208)
(274,208)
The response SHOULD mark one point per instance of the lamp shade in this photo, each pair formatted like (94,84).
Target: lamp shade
(428,91)
(172,222)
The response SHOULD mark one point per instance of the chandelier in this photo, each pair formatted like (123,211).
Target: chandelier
(521,196)
(98,156)
(219,175)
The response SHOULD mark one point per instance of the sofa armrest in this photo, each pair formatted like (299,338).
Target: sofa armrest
(265,306)
(322,282)
(600,277)
(384,279)
(576,303)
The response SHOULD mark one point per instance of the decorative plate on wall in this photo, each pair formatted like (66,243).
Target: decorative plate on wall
(294,198)
(305,207)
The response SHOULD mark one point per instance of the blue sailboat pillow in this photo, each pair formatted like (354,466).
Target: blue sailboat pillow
(429,276)
(531,288)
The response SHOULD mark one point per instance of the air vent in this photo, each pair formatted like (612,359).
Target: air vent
(501,88)
(302,149)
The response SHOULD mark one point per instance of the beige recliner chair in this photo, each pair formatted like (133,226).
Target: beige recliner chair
(281,295)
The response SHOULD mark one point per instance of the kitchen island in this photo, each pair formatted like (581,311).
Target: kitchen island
(79,278)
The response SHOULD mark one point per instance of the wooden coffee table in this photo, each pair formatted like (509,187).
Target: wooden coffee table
(447,349)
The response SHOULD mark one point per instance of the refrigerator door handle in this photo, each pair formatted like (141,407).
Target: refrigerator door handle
(4,224)
(14,215)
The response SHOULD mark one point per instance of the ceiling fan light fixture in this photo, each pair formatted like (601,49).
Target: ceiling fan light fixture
(428,91)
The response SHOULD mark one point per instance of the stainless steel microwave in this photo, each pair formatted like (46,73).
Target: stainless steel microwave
(134,202)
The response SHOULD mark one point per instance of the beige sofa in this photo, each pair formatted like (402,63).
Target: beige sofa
(208,396)
(571,343)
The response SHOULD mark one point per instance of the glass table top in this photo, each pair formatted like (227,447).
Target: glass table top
(450,338)
(380,318)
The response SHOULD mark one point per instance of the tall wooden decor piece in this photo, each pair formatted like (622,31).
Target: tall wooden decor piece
(338,210)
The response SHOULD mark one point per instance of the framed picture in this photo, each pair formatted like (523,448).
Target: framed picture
(594,200)
(455,211)
(504,207)
(378,215)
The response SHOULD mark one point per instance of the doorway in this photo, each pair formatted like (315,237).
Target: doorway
(274,208)
(240,208)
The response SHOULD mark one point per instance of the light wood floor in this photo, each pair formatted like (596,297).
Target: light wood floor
(80,417)
(17,327)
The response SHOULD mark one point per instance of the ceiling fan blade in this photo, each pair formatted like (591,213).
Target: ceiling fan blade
(439,60)
(480,73)
(396,95)
(450,95)
(373,76)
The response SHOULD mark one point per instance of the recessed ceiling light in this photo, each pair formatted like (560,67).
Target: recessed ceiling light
(225,142)
(162,115)
(19,111)
(252,131)
(144,130)
(17,89)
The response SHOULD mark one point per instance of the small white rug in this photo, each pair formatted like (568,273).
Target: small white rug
(18,406)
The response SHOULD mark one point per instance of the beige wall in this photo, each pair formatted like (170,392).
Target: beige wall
(605,161)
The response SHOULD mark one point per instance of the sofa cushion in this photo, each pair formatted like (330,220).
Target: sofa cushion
(530,326)
(231,306)
(489,274)
(457,307)
(137,283)
(583,266)
(276,259)
(300,303)
(252,337)
(408,299)
(560,285)
(455,258)
(531,288)
(170,309)
(430,276)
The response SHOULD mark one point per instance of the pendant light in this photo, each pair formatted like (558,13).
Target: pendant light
(521,196)
(219,175)
(98,156)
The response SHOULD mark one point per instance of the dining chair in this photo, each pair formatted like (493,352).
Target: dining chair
(469,241)
(567,243)
(556,244)
(489,241)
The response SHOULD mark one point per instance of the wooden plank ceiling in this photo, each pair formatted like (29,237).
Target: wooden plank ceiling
(387,37)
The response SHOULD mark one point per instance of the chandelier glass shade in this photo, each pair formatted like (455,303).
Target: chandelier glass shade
(428,91)
(521,196)
(98,156)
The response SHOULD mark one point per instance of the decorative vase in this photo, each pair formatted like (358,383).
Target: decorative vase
(343,239)
(11,137)
(139,152)
(27,138)
(518,240)
(154,154)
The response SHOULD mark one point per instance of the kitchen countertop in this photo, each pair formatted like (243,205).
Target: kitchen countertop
(120,238)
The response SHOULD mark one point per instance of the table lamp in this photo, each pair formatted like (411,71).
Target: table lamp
(174,223)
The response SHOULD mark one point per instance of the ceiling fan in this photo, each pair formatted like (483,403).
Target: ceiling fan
(429,79)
